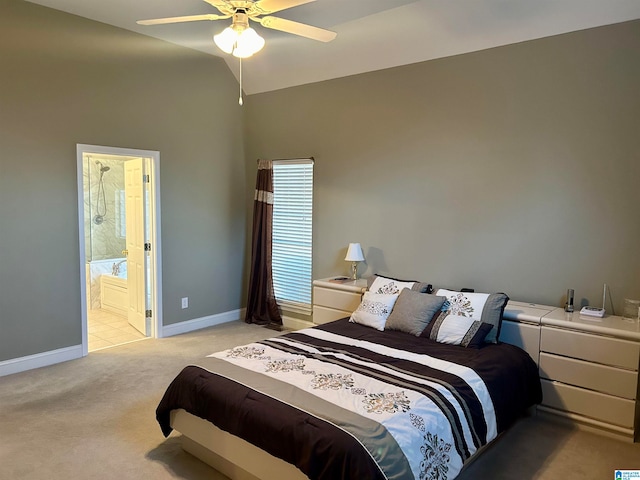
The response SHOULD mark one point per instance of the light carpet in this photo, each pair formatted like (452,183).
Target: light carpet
(94,418)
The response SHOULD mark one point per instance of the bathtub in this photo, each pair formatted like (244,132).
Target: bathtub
(95,269)
(114,294)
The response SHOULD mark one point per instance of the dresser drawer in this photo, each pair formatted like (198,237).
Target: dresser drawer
(602,378)
(325,314)
(606,408)
(339,300)
(604,350)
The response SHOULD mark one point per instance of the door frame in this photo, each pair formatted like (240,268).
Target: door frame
(155,257)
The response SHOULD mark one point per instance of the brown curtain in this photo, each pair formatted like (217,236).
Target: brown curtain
(261,304)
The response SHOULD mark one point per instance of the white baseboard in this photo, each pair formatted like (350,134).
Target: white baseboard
(44,359)
(198,323)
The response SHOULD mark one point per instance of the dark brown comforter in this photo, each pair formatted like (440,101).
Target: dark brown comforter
(323,450)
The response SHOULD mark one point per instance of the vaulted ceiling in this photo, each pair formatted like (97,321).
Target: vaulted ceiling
(372,34)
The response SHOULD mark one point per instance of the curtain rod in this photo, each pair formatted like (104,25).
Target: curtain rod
(289,159)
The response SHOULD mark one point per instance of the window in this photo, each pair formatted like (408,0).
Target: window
(292,228)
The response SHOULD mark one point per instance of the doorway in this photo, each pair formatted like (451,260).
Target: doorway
(119,222)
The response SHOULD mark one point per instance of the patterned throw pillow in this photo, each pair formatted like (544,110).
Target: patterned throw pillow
(459,330)
(389,285)
(374,310)
(485,307)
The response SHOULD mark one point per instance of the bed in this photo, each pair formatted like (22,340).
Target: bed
(343,400)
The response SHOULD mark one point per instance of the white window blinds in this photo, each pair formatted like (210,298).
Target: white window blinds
(292,233)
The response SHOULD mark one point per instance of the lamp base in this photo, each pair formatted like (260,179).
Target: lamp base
(354,270)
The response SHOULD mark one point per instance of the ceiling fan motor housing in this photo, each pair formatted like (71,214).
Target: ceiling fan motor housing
(240,20)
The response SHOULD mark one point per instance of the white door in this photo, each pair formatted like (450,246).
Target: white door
(136,255)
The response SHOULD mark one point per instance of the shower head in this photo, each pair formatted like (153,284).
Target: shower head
(102,167)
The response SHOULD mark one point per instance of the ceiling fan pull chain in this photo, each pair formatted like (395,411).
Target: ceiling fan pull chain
(240,102)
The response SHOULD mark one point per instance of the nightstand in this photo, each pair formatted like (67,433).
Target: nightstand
(334,299)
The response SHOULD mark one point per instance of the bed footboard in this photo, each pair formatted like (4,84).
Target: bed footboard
(230,455)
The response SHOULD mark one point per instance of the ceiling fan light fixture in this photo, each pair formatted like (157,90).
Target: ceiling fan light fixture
(226,40)
(248,43)
(239,39)
(241,44)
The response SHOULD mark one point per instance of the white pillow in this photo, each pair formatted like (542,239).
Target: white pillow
(374,310)
(487,308)
(389,285)
(459,330)
(465,304)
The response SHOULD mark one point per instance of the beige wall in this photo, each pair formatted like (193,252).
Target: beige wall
(66,80)
(514,169)
(511,169)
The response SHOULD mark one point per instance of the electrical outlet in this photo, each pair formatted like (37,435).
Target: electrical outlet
(185,302)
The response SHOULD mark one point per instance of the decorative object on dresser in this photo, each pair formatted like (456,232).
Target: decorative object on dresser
(354,255)
(334,299)
(569,305)
(631,311)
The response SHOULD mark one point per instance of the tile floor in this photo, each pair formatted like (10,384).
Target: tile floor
(106,329)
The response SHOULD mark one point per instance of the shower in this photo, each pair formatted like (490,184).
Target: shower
(100,214)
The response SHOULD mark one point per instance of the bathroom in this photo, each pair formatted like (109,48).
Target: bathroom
(105,247)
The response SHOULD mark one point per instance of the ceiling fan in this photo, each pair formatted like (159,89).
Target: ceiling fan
(241,11)
(240,39)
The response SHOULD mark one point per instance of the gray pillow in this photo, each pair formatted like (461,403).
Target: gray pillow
(413,311)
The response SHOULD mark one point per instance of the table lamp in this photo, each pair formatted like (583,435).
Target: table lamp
(354,255)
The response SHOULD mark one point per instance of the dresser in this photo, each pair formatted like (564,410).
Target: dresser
(334,299)
(589,371)
(588,366)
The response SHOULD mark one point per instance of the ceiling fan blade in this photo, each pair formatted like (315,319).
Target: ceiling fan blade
(189,18)
(296,28)
(223,5)
(271,6)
